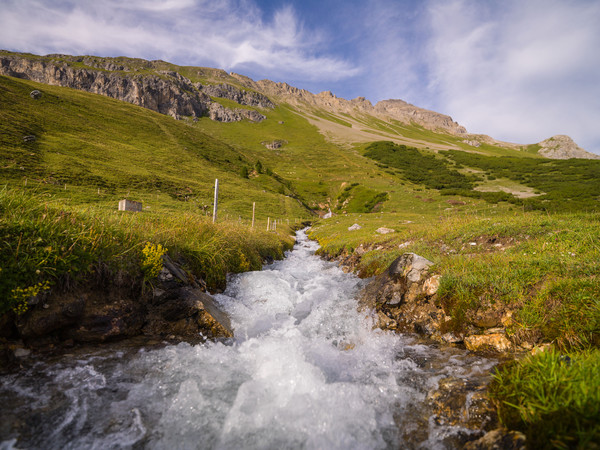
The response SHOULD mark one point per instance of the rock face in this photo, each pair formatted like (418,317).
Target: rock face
(404,296)
(405,299)
(405,112)
(563,147)
(176,308)
(222,114)
(166,92)
(237,95)
(387,109)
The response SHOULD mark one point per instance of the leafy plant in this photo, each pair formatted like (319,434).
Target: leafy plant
(152,262)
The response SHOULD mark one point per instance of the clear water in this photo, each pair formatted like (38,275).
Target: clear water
(304,370)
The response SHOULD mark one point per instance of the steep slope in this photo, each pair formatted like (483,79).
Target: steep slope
(93,149)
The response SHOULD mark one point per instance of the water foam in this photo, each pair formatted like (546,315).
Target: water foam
(305,369)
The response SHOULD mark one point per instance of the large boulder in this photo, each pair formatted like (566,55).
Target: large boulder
(404,296)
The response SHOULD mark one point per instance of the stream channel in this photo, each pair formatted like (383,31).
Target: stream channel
(304,370)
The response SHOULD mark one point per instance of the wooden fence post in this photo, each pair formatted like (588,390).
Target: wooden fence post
(215,208)
(268,224)
(253,210)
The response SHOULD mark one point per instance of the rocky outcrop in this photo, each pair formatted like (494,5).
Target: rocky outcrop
(274,145)
(404,298)
(237,95)
(563,147)
(220,113)
(163,91)
(407,113)
(177,307)
(386,109)
(171,94)
(499,439)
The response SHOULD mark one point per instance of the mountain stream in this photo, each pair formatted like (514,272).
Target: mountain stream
(304,370)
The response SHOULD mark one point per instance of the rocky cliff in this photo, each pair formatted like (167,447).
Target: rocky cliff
(162,87)
(386,109)
(563,147)
(163,91)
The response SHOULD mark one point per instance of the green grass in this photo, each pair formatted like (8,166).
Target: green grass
(59,227)
(564,185)
(48,245)
(542,267)
(553,398)
(96,150)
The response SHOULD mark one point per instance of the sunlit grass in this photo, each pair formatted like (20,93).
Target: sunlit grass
(553,398)
(45,242)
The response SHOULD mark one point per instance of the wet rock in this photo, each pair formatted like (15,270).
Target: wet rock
(188,313)
(119,308)
(451,338)
(102,322)
(458,402)
(406,294)
(495,342)
(22,352)
(58,315)
(498,439)
(7,325)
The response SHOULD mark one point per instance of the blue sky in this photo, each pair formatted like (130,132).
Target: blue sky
(518,70)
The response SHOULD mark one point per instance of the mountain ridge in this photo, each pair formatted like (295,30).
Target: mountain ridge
(196,91)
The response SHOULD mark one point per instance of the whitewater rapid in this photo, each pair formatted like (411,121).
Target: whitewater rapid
(305,369)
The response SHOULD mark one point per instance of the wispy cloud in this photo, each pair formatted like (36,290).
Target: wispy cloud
(520,71)
(230,34)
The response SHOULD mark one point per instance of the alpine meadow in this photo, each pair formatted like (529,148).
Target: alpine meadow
(510,232)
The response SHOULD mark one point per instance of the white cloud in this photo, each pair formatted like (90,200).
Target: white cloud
(229,34)
(519,71)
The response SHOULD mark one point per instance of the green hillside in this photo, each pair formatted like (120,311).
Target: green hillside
(94,150)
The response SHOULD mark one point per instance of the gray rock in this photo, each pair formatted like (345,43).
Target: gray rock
(239,96)
(35,94)
(354,227)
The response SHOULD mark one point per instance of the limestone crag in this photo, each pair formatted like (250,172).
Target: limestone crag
(237,95)
(166,91)
(405,112)
(386,109)
(222,114)
(563,147)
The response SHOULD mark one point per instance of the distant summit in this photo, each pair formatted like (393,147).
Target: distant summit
(563,147)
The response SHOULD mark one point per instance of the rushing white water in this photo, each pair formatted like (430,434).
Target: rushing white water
(305,370)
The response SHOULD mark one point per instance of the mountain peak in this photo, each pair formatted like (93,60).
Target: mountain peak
(563,147)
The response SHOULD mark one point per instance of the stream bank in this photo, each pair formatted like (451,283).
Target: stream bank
(304,368)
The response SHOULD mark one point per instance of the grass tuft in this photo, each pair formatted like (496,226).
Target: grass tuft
(553,398)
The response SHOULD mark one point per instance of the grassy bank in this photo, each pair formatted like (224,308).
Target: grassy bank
(46,244)
(543,267)
(553,398)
